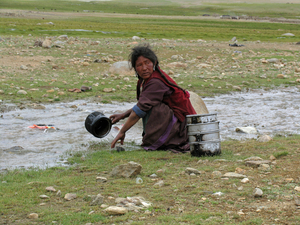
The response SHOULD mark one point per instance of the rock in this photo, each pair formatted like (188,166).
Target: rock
(273,60)
(115,210)
(44,196)
(101,179)
(1,92)
(190,170)
(272,157)
(233,39)
(233,175)
(70,196)
(121,68)
(177,64)
(85,88)
(256,164)
(297,70)
(107,90)
(288,34)
(47,43)
(153,175)
(159,183)
(63,37)
(97,200)
(52,189)
(203,65)
(127,170)
(85,64)
(33,216)
(22,92)
(198,103)
(281,76)
(264,138)
(23,67)
(253,158)
(297,188)
(245,180)
(58,193)
(237,88)
(216,174)
(240,170)
(135,38)
(264,166)
(257,192)
(297,201)
(247,130)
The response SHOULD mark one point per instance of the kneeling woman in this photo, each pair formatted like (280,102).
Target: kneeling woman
(161,104)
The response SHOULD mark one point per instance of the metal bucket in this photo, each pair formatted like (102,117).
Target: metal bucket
(203,127)
(98,124)
(205,148)
(201,118)
(204,136)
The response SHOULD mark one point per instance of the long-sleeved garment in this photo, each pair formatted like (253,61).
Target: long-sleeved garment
(162,130)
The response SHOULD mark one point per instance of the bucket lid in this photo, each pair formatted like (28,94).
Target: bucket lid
(202,115)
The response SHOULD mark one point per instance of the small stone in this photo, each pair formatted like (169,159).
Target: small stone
(264,138)
(159,183)
(115,210)
(216,174)
(101,179)
(22,92)
(245,180)
(264,166)
(240,170)
(58,193)
(281,76)
(23,67)
(190,170)
(52,189)
(256,164)
(257,192)
(70,196)
(297,188)
(97,200)
(233,175)
(33,216)
(44,196)
(153,175)
(272,157)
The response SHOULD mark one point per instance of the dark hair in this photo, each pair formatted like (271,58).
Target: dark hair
(146,51)
(142,50)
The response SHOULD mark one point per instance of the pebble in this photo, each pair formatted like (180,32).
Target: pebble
(257,192)
(70,196)
(33,216)
(115,210)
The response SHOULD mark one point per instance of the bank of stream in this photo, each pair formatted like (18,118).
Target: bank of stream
(270,112)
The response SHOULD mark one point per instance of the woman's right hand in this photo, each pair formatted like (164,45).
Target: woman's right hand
(121,137)
(116,118)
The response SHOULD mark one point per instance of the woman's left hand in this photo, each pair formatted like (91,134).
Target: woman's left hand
(121,137)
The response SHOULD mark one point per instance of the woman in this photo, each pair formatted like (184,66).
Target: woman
(161,103)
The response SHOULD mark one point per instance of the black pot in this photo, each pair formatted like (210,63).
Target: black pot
(98,124)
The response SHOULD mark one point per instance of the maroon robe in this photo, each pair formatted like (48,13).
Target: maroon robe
(162,129)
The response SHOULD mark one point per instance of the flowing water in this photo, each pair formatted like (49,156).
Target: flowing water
(270,112)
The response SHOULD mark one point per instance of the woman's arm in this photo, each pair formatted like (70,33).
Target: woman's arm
(133,119)
(117,117)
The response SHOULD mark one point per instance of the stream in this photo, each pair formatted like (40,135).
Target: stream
(270,112)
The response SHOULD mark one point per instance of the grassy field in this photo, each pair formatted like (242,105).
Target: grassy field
(209,67)
(182,199)
(179,8)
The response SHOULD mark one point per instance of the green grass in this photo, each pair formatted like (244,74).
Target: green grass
(159,8)
(181,200)
(151,28)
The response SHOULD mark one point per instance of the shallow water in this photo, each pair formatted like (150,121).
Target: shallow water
(271,112)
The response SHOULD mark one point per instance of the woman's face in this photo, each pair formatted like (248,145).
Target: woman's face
(144,67)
